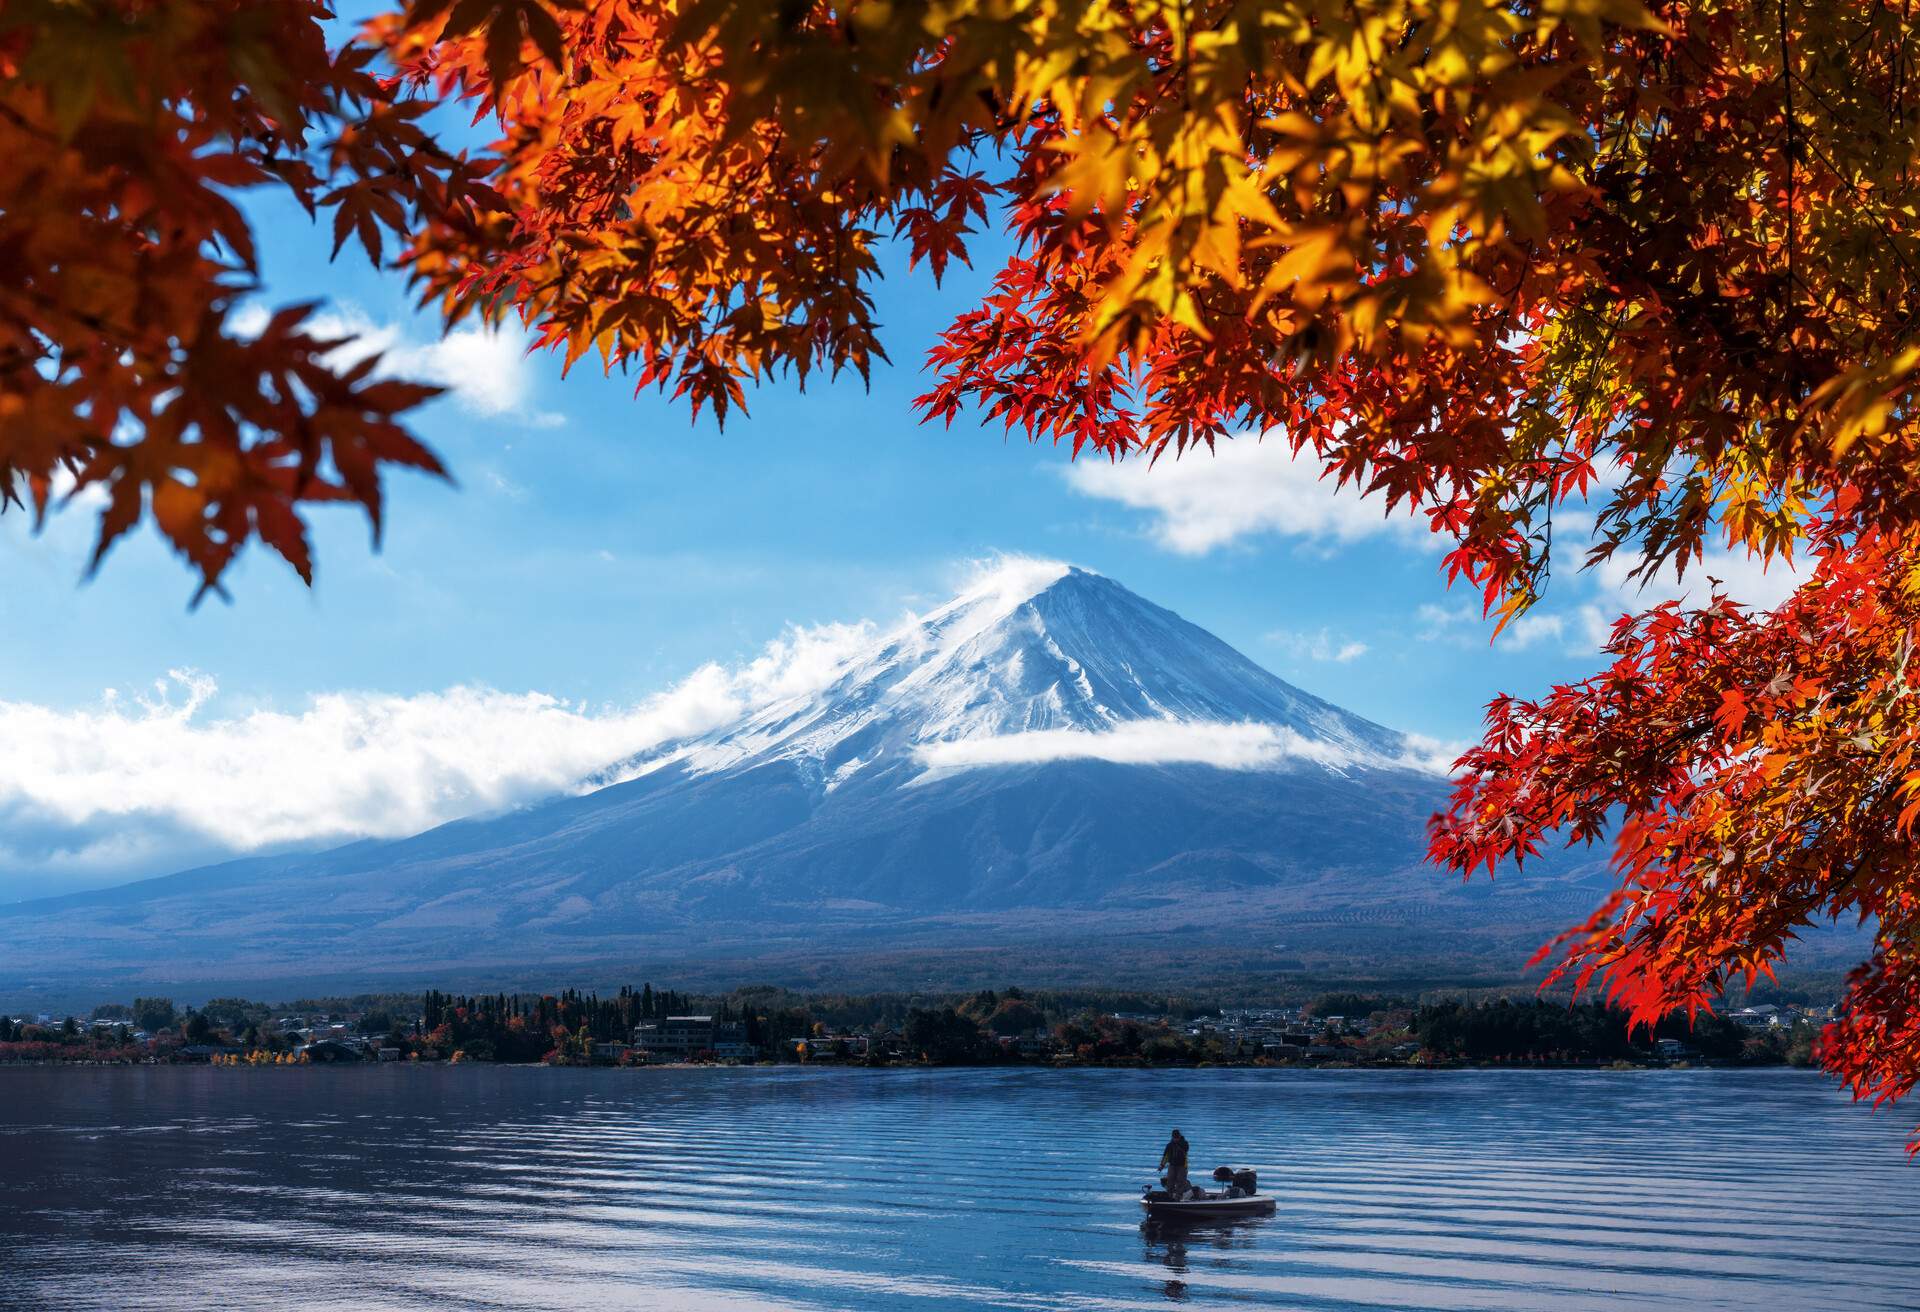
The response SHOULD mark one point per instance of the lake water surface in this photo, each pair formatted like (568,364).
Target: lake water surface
(476,1187)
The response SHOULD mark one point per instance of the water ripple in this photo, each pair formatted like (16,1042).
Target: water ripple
(503,1188)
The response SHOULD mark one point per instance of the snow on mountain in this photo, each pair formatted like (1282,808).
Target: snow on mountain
(1039,661)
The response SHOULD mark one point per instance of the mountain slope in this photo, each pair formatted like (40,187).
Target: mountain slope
(1048,758)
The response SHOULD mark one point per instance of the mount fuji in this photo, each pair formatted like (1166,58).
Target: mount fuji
(1048,776)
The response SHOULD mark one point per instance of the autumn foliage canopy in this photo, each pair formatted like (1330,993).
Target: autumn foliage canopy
(1484,258)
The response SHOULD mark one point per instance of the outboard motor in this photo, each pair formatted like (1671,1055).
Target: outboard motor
(1241,1182)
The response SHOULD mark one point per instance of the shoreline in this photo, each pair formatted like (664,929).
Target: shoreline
(1436,1067)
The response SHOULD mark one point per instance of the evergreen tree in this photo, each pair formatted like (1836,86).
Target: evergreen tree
(153,1014)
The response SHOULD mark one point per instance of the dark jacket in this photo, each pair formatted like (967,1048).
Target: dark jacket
(1174,1157)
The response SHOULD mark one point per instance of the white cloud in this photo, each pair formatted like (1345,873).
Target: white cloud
(1589,626)
(1609,594)
(1434,755)
(1005,580)
(136,785)
(1744,577)
(1437,621)
(1204,500)
(1322,645)
(501,484)
(1596,626)
(486,370)
(1461,624)
(1249,487)
(1532,629)
(1247,746)
(803,660)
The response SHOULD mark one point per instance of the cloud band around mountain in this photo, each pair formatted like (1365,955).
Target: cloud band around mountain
(1245,746)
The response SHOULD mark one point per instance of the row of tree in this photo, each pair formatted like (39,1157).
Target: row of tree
(526,1027)
(1534,1030)
(1010,1025)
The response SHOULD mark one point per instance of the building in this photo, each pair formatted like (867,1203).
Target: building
(678,1038)
(828,1048)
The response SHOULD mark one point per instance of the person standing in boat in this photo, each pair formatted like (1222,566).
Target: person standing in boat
(1173,1160)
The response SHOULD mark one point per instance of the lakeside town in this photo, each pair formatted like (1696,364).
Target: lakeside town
(1006,1027)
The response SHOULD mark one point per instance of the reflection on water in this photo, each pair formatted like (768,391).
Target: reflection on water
(1167,1243)
(472,1187)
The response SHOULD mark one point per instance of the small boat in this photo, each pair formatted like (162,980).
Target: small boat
(1241,1197)
(1163,1206)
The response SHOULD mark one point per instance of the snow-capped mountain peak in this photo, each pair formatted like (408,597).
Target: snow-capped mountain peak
(1038,660)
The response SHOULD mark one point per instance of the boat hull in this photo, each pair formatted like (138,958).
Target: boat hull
(1204,1208)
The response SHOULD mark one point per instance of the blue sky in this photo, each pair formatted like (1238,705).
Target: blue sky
(599,544)
(600,549)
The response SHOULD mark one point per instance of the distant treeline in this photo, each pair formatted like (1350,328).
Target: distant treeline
(1005,1026)
(1506,1031)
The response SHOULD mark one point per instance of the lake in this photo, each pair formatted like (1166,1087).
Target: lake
(504,1187)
